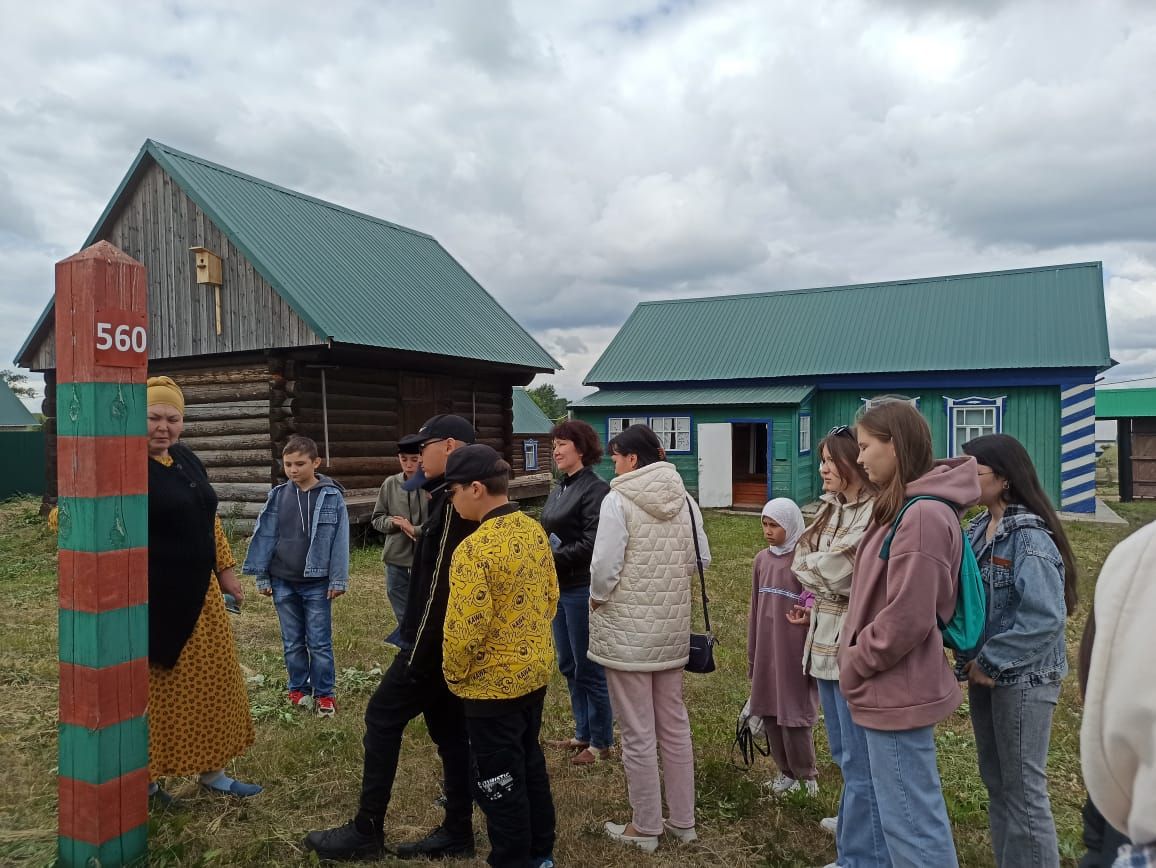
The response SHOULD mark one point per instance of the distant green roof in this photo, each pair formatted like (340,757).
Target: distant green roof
(351,277)
(693,397)
(528,416)
(13,413)
(1125,403)
(1049,317)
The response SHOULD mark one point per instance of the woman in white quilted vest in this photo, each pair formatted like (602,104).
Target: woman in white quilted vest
(640,581)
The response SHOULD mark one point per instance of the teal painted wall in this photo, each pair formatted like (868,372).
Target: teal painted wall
(1031,415)
(784,437)
(23,463)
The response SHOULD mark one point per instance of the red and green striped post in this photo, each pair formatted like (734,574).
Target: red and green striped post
(102,467)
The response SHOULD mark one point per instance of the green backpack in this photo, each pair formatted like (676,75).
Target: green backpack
(965,629)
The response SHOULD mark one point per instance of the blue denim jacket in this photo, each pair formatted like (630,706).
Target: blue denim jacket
(1023,575)
(328,538)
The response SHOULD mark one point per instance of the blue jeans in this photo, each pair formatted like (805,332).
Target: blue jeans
(859,840)
(910,798)
(1013,726)
(589,698)
(397,580)
(304,610)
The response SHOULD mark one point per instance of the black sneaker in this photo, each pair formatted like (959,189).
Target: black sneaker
(344,844)
(438,844)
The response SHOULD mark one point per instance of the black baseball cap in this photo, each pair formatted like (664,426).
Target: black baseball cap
(441,427)
(474,462)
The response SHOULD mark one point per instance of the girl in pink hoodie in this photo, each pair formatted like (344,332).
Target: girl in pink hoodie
(892,669)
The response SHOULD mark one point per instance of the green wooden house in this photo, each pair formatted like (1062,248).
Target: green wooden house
(742,388)
(532,451)
(1134,411)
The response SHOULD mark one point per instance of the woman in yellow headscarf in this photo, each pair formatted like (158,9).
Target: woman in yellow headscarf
(198,708)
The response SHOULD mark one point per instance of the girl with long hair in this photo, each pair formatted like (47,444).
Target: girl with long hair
(892,669)
(824,559)
(1014,675)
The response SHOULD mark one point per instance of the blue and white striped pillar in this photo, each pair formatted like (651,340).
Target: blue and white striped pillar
(1078,447)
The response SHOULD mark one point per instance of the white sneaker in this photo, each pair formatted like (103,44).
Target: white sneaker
(617,832)
(830,825)
(782,784)
(683,836)
(812,787)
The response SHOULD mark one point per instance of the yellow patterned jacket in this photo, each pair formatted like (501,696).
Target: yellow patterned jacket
(503,593)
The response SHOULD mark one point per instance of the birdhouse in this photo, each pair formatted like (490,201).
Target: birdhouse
(208,266)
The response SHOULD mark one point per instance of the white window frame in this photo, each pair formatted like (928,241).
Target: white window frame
(670,430)
(953,406)
(530,455)
(668,434)
(615,425)
(805,432)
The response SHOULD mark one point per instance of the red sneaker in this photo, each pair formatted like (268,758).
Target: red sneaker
(326,707)
(297,697)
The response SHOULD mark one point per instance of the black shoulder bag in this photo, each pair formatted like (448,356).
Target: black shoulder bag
(701,657)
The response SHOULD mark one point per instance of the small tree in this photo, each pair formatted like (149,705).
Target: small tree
(18,383)
(548,401)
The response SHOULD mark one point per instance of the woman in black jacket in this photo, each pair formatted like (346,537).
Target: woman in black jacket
(570,517)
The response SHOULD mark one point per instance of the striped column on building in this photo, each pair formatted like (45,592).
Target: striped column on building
(1078,447)
(102,468)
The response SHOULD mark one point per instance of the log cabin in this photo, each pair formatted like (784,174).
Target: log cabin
(279,314)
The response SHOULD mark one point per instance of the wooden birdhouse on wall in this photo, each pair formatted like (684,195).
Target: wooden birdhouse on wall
(209,274)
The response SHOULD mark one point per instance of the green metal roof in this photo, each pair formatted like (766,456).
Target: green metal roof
(351,277)
(694,397)
(528,416)
(1049,317)
(13,413)
(1125,403)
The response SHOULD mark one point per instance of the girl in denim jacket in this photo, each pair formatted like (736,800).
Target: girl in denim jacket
(1014,675)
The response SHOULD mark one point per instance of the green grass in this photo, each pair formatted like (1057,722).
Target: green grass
(311,767)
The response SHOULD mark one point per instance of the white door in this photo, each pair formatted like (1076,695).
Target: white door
(714,464)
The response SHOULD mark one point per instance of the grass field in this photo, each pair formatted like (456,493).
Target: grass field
(311,767)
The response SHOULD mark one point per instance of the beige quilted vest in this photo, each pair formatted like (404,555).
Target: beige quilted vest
(645,625)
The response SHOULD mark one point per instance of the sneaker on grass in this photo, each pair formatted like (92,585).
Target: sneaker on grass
(345,843)
(326,707)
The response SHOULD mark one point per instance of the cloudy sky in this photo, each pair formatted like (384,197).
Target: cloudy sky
(579,158)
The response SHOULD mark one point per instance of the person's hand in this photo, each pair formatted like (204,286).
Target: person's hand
(799,616)
(403,524)
(976,676)
(266,592)
(594,605)
(229,583)
(333,594)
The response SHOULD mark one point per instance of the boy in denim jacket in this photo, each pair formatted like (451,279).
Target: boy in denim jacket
(300,556)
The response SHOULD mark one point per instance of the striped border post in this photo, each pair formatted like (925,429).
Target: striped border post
(1078,447)
(102,468)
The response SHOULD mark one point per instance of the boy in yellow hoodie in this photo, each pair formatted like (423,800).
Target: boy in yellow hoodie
(498,653)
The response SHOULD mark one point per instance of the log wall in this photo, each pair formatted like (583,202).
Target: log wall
(240,411)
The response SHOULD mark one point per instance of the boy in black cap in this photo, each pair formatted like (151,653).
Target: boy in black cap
(498,653)
(413,684)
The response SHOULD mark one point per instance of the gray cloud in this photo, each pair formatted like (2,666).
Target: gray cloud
(579,159)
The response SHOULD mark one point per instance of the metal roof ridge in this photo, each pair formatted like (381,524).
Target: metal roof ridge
(849,286)
(171,151)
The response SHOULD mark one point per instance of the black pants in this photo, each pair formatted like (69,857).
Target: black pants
(399,699)
(512,786)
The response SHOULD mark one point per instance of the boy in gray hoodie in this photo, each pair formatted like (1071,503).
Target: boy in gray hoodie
(399,514)
(300,556)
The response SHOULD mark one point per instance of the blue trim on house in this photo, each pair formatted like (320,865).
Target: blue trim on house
(1080,489)
(950,404)
(770,450)
(1076,472)
(1078,399)
(1072,436)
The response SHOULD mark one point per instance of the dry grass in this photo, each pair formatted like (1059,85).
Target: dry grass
(311,767)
